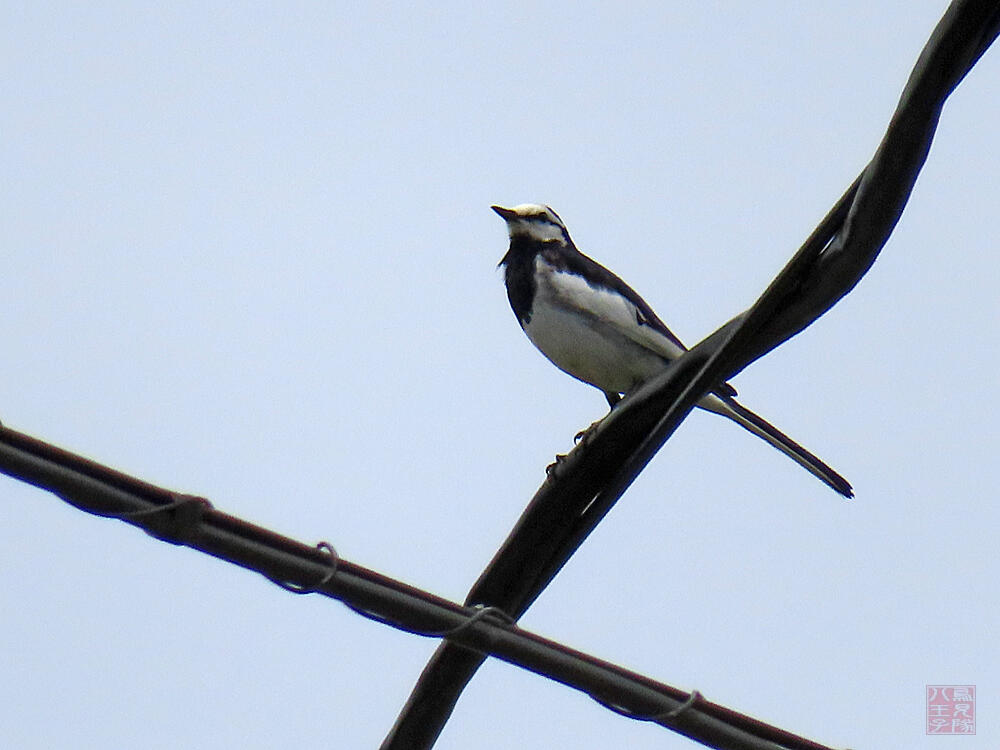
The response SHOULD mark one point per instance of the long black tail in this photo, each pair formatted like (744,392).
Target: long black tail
(767,431)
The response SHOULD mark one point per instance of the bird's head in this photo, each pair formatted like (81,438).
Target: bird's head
(533,221)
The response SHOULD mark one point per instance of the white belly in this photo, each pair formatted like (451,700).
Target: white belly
(581,332)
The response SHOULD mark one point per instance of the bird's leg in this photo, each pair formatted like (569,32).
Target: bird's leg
(613,399)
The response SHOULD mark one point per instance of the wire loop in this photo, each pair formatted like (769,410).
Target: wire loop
(670,715)
(686,706)
(481,613)
(176,522)
(295,588)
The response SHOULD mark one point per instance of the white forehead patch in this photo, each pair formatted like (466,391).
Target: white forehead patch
(530,209)
(536,221)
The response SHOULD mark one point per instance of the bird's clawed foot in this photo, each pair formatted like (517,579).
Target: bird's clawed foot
(551,468)
(582,435)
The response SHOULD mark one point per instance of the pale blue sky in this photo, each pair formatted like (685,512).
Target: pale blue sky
(249,255)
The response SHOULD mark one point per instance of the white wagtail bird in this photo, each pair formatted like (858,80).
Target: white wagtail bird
(592,325)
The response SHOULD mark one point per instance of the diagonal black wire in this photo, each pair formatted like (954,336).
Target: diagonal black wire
(586,484)
(192,521)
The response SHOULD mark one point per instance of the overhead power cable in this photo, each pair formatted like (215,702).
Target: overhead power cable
(302,569)
(587,483)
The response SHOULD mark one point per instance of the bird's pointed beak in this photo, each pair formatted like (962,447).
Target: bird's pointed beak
(505,213)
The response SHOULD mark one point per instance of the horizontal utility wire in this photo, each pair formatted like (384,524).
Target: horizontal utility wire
(193,522)
(583,486)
